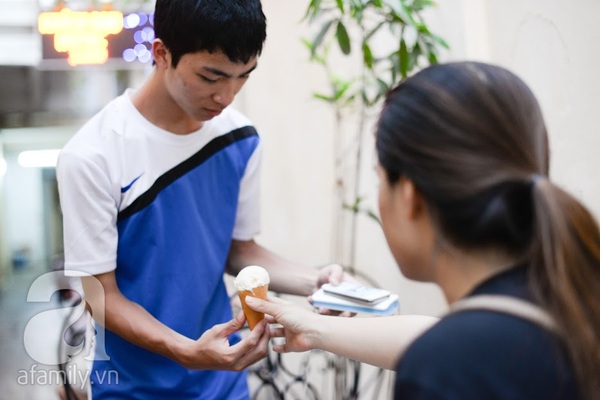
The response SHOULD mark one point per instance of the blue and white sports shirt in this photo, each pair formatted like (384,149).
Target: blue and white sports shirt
(160,210)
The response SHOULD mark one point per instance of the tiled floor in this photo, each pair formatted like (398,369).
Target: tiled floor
(21,375)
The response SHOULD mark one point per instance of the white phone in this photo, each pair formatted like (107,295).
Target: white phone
(388,306)
(357,292)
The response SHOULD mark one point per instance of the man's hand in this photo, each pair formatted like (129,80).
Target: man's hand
(334,274)
(213,351)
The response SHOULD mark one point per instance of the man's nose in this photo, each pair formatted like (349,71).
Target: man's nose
(225,94)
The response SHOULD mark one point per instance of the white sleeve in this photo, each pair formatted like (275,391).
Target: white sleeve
(89,215)
(247,221)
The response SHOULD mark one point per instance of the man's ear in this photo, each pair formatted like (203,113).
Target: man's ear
(412,198)
(162,56)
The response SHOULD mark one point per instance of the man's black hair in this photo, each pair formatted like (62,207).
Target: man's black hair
(235,27)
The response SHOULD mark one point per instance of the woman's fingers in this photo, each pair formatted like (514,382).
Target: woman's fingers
(277,332)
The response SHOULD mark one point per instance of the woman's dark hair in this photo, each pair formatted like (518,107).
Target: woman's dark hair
(235,27)
(472,139)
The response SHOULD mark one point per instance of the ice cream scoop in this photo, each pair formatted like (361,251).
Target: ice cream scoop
(252,281)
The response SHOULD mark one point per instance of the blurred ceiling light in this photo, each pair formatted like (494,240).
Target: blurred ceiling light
(81,34)
(38,158)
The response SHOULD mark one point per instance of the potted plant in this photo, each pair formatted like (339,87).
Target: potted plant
(379,42)
(365,47)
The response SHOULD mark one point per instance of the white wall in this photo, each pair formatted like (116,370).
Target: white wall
(295,129)
(554,46)
(551,44)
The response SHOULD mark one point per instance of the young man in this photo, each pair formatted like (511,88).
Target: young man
(159,193)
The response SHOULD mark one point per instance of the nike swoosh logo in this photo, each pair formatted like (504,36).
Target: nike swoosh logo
(126,188)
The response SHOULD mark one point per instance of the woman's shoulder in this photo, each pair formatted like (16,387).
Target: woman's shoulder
(479,353)
(475,334)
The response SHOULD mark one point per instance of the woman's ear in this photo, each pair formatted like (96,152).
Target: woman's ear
(412,199)
(162,56)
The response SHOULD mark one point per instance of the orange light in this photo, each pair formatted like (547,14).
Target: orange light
(81,34)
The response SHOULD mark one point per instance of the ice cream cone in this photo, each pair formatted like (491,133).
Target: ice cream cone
(253,317)
(252,281)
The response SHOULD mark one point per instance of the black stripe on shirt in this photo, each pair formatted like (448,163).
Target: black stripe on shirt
(213,147)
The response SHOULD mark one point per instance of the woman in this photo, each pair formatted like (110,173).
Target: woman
(466,203)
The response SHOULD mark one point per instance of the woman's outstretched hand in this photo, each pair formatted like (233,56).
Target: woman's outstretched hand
(298,324)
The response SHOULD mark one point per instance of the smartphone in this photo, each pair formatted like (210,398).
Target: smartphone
(388,306)
(357,292)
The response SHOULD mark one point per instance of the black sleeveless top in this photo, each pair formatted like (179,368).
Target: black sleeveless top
(486,355)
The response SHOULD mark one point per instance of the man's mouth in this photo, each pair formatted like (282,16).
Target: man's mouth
(214,113)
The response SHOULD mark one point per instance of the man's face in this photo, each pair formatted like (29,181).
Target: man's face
(204,83)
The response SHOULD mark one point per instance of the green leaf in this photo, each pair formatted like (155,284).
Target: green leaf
(357,10)
(422,28)
(395,5)
(383,86)
(340,4)
(440,41)
(432,58)
(414,57)
(373,31)
(367,55)
(356,5)
(343,38)
(395,60)
(341,87)
(353,207)
(408,12)
(313,9)
(324,97)
(310,9)
(401,13)
(320,36)
(308,44)
(419,5)
(318,58)
(403,55)
(374,217)
(396,19)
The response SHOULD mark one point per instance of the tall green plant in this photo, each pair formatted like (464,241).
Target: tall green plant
(385,40)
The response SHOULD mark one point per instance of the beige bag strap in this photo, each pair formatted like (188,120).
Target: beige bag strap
(508,305)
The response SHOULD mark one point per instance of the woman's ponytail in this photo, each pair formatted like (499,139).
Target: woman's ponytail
(566,276)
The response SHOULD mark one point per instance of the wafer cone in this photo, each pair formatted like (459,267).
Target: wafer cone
(253,317)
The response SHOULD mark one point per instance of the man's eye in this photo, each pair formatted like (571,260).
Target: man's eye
(205,79)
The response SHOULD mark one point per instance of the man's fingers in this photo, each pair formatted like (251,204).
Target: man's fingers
(336,274)
(254,347)
(232,326)
(252,339)
(327,311)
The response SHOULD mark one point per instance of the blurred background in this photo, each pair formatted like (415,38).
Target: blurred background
(46,94)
